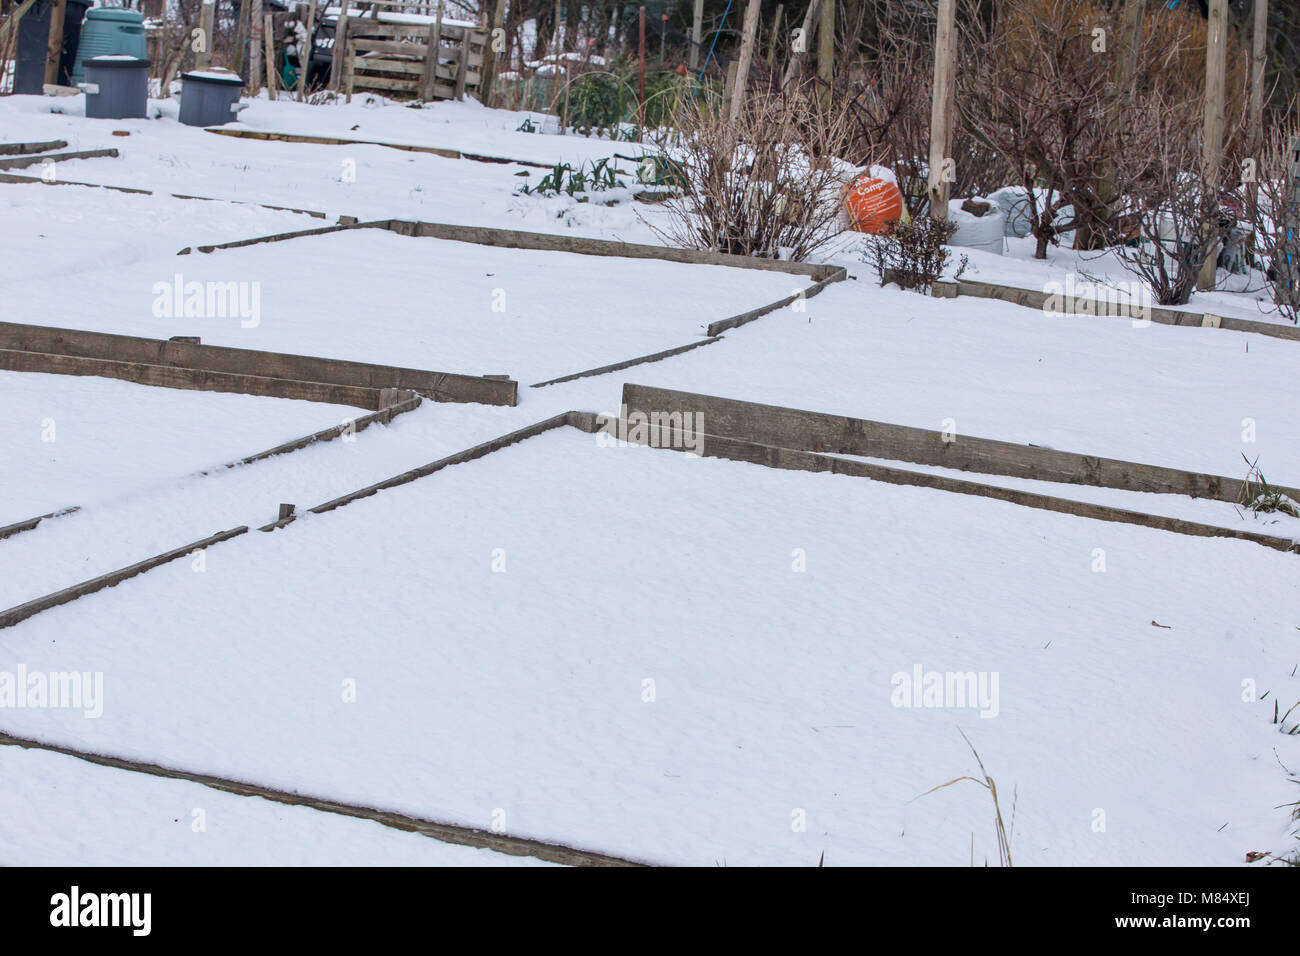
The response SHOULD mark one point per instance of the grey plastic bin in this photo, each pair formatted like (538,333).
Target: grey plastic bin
(116,87)
(209,98)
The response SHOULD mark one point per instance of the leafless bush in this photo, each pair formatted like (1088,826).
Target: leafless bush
(1040,96)
(1174,205)
(768,184)
(1276,219)
(913,253)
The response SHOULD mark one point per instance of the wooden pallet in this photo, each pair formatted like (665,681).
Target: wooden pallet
(400,60)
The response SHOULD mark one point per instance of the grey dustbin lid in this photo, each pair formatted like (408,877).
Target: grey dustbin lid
(203,76)
(116,60)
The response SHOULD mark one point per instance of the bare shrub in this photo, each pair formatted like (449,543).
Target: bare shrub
(767,185)
(1174,208)
(913,254)
(1276,219)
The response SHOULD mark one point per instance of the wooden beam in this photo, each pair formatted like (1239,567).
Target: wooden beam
(697,36)
(304,55)
(340,50)
(1216,46)
(54,46)
(268,37)
(255,27)
(941,108)
(826,52)
(207,21)
(241,39)
(747,35)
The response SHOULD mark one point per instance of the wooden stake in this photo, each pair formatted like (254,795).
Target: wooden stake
(304,55)
(826,52)
(54,47)
(255,27)
(640,90)
(207,18)
(268,37)
(1258,62)
(807,31)
(776,35)
(697,35)
(1212,142)
(488,76)
(746,58)
(945,57)
(241,38)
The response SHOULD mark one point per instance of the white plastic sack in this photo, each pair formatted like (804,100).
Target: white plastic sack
(978,232)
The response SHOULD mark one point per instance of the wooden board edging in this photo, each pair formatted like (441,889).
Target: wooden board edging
(1037,299)
(18,527)
(20,162)
(444,832)
(22,612)
(20,180)
(319,140)
(406,477)
(306,370)
(837,434)
(26,149)
(771,456)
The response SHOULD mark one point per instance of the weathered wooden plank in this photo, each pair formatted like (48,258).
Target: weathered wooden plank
(460,457)
(9,530)
(1038,299)
(22,612)
(444,832)
(836,434)
(735,449)
(26,149)
(20,162)
(365,27)
(390,46)
(364,81)
(370,64)
(204,380)
(516,239)
(439,386)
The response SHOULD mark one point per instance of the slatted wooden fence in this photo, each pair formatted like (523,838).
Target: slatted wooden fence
(402,60)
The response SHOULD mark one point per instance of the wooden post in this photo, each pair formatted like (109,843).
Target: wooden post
(807,31)
(640,89)
(776,34)
(1258,62)
(268,37)
(697,35)
(54,46)
(241,39)
(941,107)
(746,58)
(1212,141)
(255,27)
(488,75)
(207,19)
(338,62)
(826,52)
(462,66)
(304,54)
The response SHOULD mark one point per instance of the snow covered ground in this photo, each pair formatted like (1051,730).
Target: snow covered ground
(772,735)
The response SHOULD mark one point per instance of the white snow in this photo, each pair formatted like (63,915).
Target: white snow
(1122,691)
